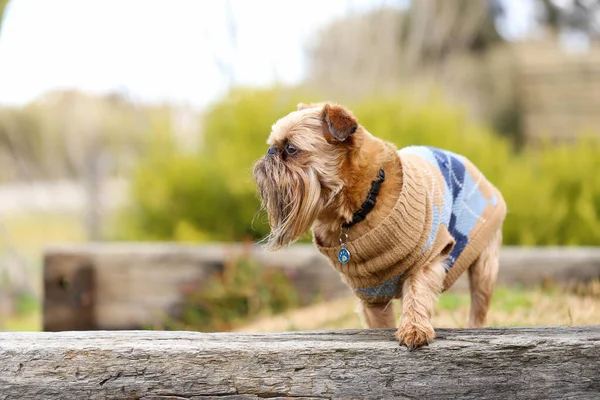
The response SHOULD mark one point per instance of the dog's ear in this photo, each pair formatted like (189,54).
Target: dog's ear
(339,121)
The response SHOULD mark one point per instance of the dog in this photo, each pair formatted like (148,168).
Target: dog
(394,223)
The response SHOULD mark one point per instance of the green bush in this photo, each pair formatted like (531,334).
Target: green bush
(209,194)
(242,292)
(553,195)
(553,192)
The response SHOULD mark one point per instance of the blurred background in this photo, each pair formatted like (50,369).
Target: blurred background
(138,121)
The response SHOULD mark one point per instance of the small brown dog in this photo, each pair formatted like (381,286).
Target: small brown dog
(395,224)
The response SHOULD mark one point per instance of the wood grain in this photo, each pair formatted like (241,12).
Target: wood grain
(516,363)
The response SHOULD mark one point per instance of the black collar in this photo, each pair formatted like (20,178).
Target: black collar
(369,203)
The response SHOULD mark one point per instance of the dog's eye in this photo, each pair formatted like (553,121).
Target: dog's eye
(291,149)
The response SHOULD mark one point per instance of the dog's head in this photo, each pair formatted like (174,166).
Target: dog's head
(302,172)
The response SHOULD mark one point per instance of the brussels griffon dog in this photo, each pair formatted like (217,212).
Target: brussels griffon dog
(395,224)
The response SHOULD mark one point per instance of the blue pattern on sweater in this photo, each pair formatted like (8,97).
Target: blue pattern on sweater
(388,288)
(463,201)
(462,207)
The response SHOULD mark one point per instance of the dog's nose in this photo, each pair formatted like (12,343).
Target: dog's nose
(272,151)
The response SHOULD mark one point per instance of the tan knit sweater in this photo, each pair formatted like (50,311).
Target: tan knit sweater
(446,209)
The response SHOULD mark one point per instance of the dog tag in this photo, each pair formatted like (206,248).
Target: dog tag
(344,255)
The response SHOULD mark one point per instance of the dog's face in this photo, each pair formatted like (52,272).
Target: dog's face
(302,173)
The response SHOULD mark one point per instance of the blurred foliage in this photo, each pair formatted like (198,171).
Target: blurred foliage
(553,194)
(209,194)
(552,191)
(466,57)
(243,292)
(60,134)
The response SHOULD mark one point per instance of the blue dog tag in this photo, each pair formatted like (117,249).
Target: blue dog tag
(344,256)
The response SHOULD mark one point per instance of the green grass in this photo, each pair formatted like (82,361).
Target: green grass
(28,235)
(513,299)
(24,323)
(511,306)
(27,315)
(507,299)
(452,301)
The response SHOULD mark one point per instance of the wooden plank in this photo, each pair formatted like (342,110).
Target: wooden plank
(137,285)
(516,363)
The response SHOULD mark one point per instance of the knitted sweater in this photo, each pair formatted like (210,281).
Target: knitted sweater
(446,209)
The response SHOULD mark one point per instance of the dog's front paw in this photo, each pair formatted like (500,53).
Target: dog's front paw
(414,336)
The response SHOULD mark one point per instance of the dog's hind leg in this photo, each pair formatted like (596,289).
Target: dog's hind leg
(482,278)
(376,315)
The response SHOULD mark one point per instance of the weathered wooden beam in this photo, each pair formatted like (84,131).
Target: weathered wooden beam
(515,363)
(130,286)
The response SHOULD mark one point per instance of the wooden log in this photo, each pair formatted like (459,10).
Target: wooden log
(130,286)
(515,363)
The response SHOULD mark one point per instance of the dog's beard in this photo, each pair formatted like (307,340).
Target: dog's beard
(290,195)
